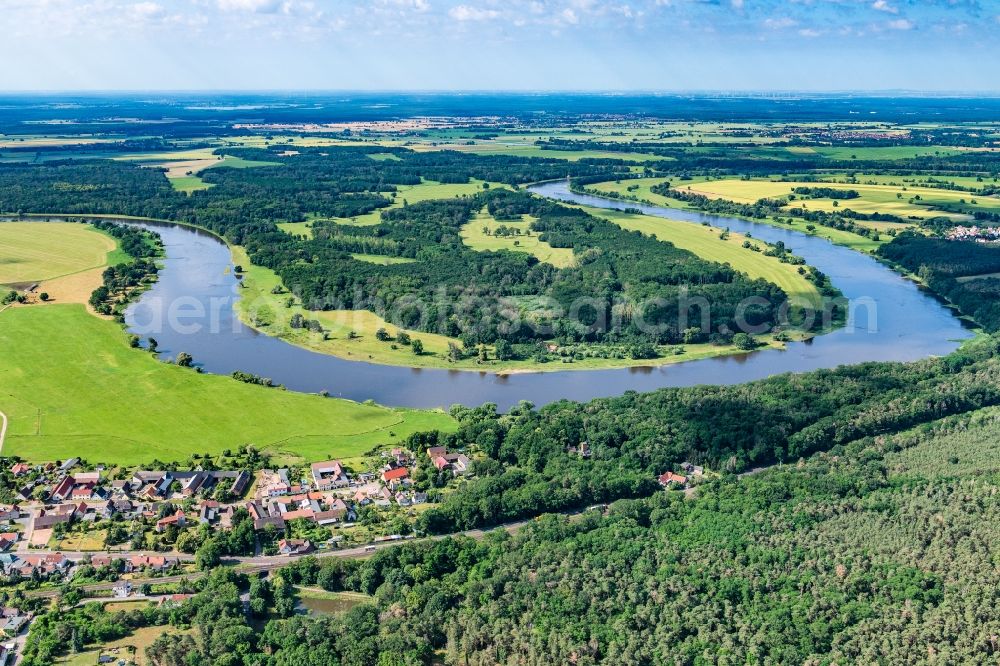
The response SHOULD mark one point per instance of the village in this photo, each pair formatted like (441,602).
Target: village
(62,512)
(131,531)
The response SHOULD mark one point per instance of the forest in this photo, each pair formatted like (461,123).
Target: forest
(964,272)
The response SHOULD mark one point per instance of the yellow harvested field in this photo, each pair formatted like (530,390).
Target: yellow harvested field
(900,200)
(38,251)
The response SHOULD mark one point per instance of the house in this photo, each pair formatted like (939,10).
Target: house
(99,561)
(209,512)
(177,519)
(273,484)
(295,546)
(692,469)
(396,474)
(337,512)
(7,539)
(44,521)
(44,564)
(402,499)
(122,589)
(240,484)
(329,474)
(173,599)
(69,464)
(459,463)
(11,512)
(20,469)
(668,478)
(63,489)
(193,484)
(88,477)
(435,451)
(82,492)
(151,562)
(11,622)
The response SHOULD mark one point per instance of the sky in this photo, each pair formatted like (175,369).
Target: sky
(669,45)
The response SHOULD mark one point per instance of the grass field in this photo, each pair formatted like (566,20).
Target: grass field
(474,236)
(70,385)
(138,641)
(409,194)
(38,251)
(382,260)
(705,242)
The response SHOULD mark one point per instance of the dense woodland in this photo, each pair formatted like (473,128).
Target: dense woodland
(947,266)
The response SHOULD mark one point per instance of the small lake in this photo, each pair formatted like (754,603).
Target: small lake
(330,606)
(196,286)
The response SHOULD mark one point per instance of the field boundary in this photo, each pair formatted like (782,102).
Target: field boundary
(3,430)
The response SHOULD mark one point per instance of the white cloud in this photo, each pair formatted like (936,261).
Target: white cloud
(737,4)
(779,23)
(884,6)
(809,32)
(900,24)
(467,13)
(569,16)
(255,6)
(147,10)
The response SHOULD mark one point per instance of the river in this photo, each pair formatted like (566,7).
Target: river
(904,324)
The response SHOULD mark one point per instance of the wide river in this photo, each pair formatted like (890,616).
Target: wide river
(896,322)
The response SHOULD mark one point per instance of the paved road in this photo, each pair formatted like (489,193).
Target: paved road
(263,563)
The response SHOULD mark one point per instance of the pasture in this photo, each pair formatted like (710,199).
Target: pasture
(474,234)
(69,383)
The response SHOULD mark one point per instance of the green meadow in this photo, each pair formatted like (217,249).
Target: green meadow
(707,244)
(69,383)
(474,234)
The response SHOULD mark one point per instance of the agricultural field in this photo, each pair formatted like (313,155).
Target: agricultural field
(137,409)
(65,258)
(639,189)
(182,167)
(706,243)
(474,234)
(902,201)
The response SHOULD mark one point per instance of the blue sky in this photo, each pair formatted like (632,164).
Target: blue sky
(933,45)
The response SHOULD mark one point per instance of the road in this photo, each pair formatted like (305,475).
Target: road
(261,564)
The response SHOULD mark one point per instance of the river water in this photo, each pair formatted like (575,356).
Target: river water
(896,322)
